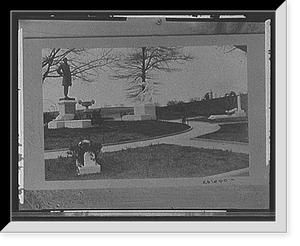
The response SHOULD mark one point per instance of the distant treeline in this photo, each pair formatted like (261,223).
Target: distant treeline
(201,108)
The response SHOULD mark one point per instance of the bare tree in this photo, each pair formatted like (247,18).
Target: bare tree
(84,65)
(140,65)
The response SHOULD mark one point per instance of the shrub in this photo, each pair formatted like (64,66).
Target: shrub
(49,116)
(78,115)
(96,118)
(77,151)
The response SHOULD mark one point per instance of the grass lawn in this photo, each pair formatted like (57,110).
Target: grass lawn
(155,161)
(110,132)
(236,132)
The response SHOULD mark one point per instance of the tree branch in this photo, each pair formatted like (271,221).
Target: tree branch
(81,64)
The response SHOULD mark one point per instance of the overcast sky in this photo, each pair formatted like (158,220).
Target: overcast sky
(211,69)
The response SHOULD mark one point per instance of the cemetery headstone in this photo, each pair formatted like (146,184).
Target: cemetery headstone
(89,164)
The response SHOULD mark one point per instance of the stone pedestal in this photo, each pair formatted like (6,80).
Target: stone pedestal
(239,114)
(67,109)
(146,111)
(90,165)
(54,124)
(78,123)
(69,124)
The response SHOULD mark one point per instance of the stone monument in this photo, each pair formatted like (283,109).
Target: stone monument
(86,157)
(89,164)
(67,105)
(239,112)
(67,110)
(144,109)
(235,112)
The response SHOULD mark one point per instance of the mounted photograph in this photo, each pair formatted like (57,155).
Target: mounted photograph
(146,117)
(145,112)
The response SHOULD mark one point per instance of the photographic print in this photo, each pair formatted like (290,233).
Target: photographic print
(145,112)
(146,118)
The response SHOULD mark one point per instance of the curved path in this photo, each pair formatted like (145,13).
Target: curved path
(184,139)
(179,139)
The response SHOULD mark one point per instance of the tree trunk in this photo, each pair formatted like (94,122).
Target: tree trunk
(143,64)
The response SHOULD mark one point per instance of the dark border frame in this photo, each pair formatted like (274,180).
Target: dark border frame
(17,215)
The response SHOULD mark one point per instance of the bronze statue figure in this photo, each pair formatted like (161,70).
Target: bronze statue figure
(65,72)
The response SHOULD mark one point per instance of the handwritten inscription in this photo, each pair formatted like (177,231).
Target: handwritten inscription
(215,181)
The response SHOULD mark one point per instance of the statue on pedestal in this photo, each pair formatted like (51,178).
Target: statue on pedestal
(64,71)
(146,93)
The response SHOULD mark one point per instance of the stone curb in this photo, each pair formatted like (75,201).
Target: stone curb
(219,141)
(228,174)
